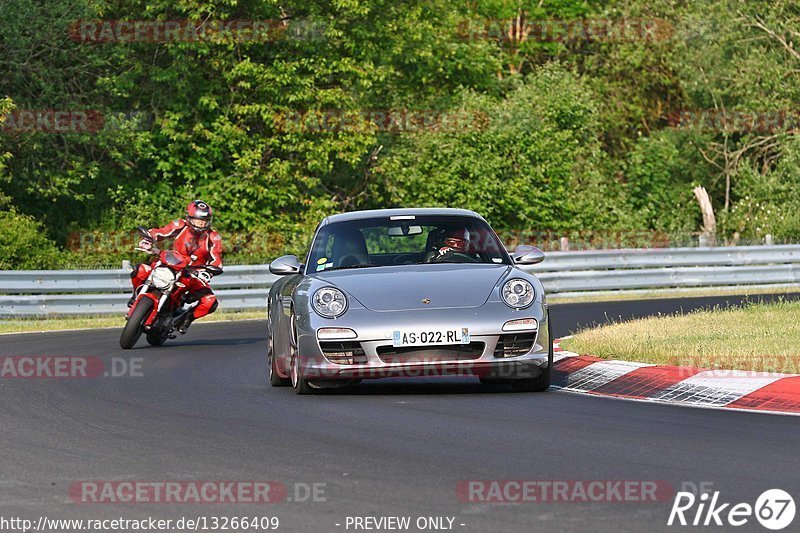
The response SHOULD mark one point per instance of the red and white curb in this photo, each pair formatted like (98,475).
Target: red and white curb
(678,385)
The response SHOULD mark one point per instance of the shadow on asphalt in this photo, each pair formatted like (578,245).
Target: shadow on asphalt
(419,387)
(206,342)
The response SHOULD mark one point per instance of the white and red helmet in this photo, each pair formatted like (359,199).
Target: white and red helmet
(199,215)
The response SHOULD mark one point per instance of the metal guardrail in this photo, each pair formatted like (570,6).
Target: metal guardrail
(82,292)
(119,280)
(668,257)
(44,292)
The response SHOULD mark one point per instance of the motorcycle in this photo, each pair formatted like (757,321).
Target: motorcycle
(162,301)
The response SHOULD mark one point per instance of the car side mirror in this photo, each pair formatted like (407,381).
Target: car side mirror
(527,255)
(285,265)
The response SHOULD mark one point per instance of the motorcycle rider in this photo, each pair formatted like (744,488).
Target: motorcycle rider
(194,238)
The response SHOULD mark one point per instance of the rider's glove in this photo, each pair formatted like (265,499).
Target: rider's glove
(146,245)
(204,276)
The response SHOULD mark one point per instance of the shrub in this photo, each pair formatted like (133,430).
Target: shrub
(24,246)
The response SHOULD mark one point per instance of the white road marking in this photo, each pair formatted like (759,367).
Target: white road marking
(711,388)
(598,374)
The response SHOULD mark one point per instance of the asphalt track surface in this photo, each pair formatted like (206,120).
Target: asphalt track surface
(202,410)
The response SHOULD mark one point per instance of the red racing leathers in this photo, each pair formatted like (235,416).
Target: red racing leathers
(203,248)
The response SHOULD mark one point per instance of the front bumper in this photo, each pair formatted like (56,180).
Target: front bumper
(484,357)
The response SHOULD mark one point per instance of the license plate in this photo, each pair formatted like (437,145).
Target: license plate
(424,337)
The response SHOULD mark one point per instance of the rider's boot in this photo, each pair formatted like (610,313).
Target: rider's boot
(185,322)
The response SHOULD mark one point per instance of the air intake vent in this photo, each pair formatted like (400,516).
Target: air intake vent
(513,345)
(344,353)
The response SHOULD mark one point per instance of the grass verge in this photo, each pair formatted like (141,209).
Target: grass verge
(34,325)
(757,337)
(613,296)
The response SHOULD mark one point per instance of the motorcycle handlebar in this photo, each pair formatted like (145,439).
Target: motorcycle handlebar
(151,251)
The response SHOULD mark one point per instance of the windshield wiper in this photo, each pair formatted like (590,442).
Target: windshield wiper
(360,265)
(455,263)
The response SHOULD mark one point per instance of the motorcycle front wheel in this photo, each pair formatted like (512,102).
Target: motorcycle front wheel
(135,325)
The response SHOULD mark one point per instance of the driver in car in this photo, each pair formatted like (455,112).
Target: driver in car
(453,244)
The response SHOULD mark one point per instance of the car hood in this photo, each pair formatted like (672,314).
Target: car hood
(405,287)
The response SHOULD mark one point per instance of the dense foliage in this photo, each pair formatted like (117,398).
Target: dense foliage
(559,133)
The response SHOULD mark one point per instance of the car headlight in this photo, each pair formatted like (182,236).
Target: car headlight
(163,278)
(518,293)
(329,302)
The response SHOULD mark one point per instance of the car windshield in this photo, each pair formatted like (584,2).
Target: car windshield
(405,240)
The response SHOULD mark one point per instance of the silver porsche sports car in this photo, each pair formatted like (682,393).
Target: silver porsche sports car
(408,293)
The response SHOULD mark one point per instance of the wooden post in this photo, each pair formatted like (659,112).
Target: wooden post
(709,221)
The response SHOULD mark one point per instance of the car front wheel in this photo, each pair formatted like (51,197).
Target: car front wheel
(299,384)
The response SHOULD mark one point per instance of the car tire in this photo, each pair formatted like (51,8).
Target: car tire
(542,382)
(274,378)
(299,384)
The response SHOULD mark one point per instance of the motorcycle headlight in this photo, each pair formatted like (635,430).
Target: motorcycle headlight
(163,278)
(329,302)
(518,293)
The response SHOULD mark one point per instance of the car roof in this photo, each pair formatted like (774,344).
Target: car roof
(378,213)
